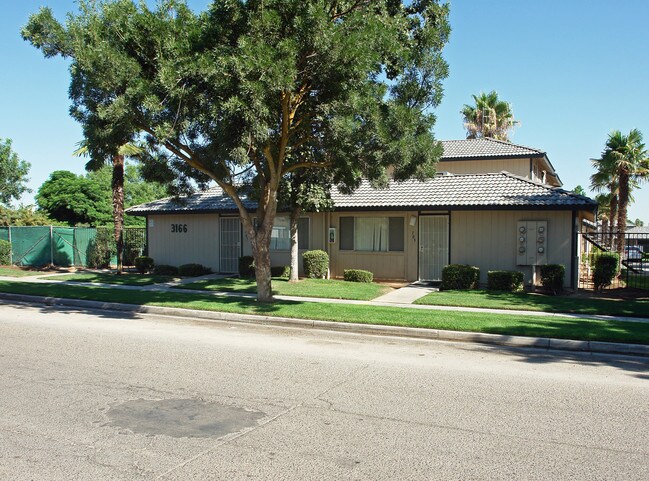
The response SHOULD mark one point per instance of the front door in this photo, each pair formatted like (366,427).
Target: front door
(230,244)
(433,246)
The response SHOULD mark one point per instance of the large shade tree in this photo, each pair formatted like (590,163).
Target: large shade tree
(253,91)
(13,173)
(624,163)
(488,117)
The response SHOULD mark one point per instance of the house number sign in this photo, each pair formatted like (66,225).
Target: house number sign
(178,228)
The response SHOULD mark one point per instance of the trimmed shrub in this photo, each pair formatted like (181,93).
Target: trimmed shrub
(247,266)
(552,277)
(316,264)
(606,267)
(5,253)
(101,249)
(358,275)
(280,271)
(165,270)
(193,270)
(460,276)
(510,281)
(144,264)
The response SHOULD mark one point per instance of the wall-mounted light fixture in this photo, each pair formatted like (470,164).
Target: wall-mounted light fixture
(413,221)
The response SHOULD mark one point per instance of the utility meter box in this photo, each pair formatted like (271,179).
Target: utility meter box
(532,243)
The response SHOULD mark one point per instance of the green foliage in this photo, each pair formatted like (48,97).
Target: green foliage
(489,117)
(266,89)
(579,190)
(316,264)
(510,281)
(23,216)
(134,244)
(460,276)
(606,266)
(144,264)
(552,276)
(280,271)
(193,270)
(357,275)
(13,173)
(165,270)
(5,253)
(247,266)
(101,249)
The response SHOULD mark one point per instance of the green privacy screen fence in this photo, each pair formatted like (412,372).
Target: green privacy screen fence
(69,246)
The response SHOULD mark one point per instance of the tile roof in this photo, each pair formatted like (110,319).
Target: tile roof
(497,191)
(210,200)
(485,148)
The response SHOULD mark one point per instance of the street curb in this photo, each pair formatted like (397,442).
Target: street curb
(410,332)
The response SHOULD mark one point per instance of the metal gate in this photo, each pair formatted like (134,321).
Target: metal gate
(230,244)
(433,246)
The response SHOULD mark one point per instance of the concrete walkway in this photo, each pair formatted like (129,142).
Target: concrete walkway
(396,300)
(406,295)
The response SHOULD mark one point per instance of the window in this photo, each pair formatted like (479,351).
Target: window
(280,238)
(372,234)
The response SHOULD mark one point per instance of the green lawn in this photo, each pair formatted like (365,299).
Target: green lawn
(458,321)
(123,279)
(18,272)
(327,288)
(537,302)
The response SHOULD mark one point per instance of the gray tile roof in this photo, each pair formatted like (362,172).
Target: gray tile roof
(500,190)
(485,148)
(210,200)
(487,191)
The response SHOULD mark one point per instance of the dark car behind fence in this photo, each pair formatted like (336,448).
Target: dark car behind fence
(70,246)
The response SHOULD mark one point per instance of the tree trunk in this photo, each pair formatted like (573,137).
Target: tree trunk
(118,207)
(295,216)
(612,218)
(261,253)
(623,203)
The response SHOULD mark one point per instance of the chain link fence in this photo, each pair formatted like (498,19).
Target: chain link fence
(71,246)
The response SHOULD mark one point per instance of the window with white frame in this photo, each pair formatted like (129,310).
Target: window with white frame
(372,234)
(280,238)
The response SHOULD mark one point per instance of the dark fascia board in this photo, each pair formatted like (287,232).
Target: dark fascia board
(492,157)
(180,212)
(419,208)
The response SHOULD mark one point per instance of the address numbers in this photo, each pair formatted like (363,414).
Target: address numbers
(178,228)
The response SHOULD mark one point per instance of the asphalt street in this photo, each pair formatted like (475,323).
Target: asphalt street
(98,395)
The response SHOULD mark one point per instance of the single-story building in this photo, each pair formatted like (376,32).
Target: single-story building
(515,218)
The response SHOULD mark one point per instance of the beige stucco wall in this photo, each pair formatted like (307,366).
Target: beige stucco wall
(488,239)
(200,244)
(515,166)
(384,265)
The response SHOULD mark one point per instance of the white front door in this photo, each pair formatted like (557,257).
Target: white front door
(433,246)
(230,244)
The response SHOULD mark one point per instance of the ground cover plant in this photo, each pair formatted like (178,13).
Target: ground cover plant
(537,302)
(110,278)
(327,288)
(557,327)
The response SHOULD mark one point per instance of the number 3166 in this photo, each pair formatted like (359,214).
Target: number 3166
(177,228)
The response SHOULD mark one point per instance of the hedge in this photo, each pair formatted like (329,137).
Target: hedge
(193,270)
(510,281)
(552,277)
(316,264)
(5,253)
(357,275)
(280,271)
(460,276)
(606,266)
(246,267)
(165,270)
(143,264)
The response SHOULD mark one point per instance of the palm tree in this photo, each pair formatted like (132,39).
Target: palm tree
(489,117)
(627,158)
(605,180)
(117,185)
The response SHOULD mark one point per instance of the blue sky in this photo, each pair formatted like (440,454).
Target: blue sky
(573,70)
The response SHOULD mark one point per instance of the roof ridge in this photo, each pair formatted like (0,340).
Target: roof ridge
(512,143)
